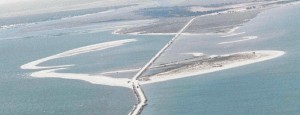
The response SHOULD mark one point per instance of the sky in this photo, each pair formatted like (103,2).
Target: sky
(10,1)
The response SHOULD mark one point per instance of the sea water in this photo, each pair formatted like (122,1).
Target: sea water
(22,94)
(269,87)
(265,88)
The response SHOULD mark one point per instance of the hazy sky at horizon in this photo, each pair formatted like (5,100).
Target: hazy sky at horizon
(11,1)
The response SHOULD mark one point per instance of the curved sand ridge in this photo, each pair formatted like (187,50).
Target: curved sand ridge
(203,68)
(233,34)
(94,79)
(50,71)
(246,38)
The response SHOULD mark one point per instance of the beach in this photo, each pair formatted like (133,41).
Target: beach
(246,38)
(227,64)
(50,71)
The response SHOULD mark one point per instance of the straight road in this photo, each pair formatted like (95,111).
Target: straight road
(138,108)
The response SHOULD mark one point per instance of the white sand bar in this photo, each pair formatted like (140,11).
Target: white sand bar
(260,56)
(234,34)
(77,51)
(50,71)
(94,79)
(246,38)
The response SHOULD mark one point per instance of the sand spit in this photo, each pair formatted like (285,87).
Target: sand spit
(50,71)
(77,51)
(94,79)
(233,30)
(214,64)
(234,34)
(246,38)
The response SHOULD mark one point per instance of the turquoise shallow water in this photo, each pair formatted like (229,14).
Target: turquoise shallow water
(22,94)
(29,96)
(270,87)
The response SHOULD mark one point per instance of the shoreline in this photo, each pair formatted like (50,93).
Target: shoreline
(50,71)
(233,34)
(246,38)
(93,79)
(271,54)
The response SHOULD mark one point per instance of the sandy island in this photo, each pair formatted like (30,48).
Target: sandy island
(213,64)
